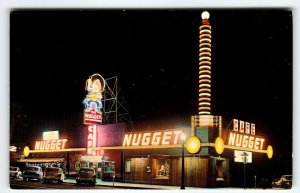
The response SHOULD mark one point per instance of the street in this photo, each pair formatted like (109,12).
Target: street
(19,184)
(70,184)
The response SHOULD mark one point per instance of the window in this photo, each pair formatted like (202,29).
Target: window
(86,171)
(109,167)
(219,170)
(127,166)
(162,169)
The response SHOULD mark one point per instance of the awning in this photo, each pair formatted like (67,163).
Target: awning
(42,160)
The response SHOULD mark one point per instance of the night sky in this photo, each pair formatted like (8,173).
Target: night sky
(154,53)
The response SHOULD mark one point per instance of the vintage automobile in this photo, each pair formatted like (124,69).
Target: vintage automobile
(54,174)
(86,175)
(33,172)
(286,181)
(14,172)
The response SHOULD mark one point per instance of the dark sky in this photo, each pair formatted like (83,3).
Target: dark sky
(154,53)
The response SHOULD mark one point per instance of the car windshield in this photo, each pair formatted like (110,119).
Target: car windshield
(86,171)
(51,170)
(33,168)
(288,177)
(13,169)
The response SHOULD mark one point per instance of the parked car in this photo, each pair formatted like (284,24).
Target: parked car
(33,172)
(14,172)
(286,181)
(86,175)
(54,174)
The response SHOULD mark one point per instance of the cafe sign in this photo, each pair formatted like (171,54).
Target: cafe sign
(243,135)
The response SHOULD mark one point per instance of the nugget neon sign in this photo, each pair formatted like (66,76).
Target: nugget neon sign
(152,138)
(95,86)
(243,135)
(51,144)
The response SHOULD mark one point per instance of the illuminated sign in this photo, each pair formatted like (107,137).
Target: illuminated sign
(193,144)
(243,127)
(12,148)
(92,117)
(242,156)
(51,144)
(243,135)
(168,137)
(247,141)
(50,135)
(26,151)
(219,145)
(95,86)
(270,151)
(91,139)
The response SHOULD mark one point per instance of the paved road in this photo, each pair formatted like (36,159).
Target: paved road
(19,184)
(71,184)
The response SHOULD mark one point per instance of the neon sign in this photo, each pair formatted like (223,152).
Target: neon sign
(167,137)
(92,117)
(91,139)
(95,86)
(50,135)
(51,144)
(243,140)
(243,127)
(243,135)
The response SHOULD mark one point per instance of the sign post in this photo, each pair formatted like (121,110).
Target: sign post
(245,162)
(243,157)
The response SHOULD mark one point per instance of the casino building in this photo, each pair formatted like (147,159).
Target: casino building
(211,144)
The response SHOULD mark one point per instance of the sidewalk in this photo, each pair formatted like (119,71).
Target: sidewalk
(130,185)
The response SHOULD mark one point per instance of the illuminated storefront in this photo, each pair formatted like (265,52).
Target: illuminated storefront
(154,156)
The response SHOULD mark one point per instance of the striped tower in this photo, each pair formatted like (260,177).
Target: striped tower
(205,66)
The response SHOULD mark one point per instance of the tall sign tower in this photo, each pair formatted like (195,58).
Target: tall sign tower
(205,65)
(205,125)
(92,117)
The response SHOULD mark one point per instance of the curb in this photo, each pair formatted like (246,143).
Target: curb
(124,186)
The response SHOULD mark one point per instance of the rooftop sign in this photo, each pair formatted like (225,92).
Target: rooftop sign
(166,137)
(50,135)
(95,86)
(243,135)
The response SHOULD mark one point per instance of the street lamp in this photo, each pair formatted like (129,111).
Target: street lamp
(183,137)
